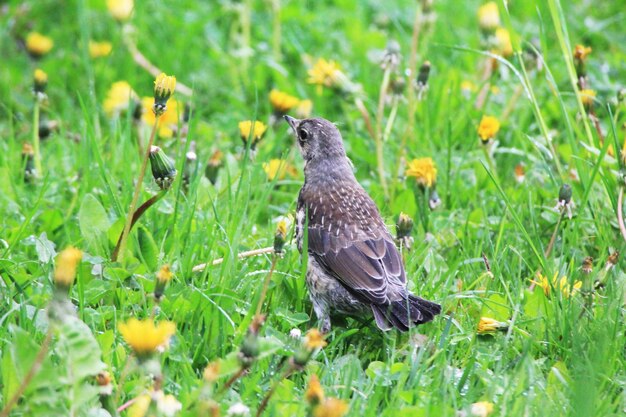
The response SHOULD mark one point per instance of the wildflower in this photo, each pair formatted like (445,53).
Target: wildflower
(560,284)
(434,201)
(66,264)
(38,45)
(250,350)
(489,16)
(118,98)
(587,96)
(489,325)
(239,410)
(304,109)
(324,73)
(404,226)
(164,87)
(565,203)
(488,128)
(282,102)
(211,372)
(252,129)
(612,260)
(391,56)
(424,171)
(120,9)
(144,337)
(332,407)
(168,405)
(163,277)
(278,169)
(580,58)
(481,409)
(40,81)
(422,79)
(397,85)
(314,394)
(140,406)
(280,236)
(103,380)
(314,340)
(295,333)
(587,267)
(213,166)
(168,120)
(504,46)
(163,169)
(520,173)
(28,160)
(99,49)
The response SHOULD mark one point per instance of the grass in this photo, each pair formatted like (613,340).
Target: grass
(483,247)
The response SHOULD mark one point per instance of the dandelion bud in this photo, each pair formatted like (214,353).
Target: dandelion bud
(28,161)
(621,96)
(280,237)
(587,96)
(612,260)
(163,277)
(391,57)
(252,130)
(250,347)
(565,194)
(163,169)
(46,126)
(423,74)
(66,265)
(40,81)
(580,58)
(587,267)
(314,394)
(214,165)
(488,325)
(164,86)
(190,164)
(404,226)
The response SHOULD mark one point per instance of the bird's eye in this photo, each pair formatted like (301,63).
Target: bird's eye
(303,134)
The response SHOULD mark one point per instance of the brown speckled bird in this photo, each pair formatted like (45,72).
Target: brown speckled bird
(353,266)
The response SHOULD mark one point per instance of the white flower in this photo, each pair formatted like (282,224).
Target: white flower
(238,409)
(295,333)
(168,405)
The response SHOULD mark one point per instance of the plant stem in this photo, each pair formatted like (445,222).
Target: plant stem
(269,394)
(234,378)
(620,211)
(34,368)
(553,238)
(240,255)
(36,138)
(366,117)
(133,203)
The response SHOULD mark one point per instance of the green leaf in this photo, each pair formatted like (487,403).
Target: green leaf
(148,248)
(496,307)
(92,218)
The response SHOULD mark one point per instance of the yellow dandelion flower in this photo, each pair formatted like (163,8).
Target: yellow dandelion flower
(120,9)
(99,49)
(304,109)
(423,170)
(278,168)
(324,73)
(489,325)
(314,393)
(560,284)
(140,406)
(144,337)
(623,152)
(282,102)
(168,120)
(488,128)
(332,407)
(505,47)
(165,274)
(38,44)
(255,128)
(66,265)
(118,98)
(211,372)
(164,87)
(587,96)
(40,76)
(489,16)
(468,86)
(581,52)
(314,340)
(481,409)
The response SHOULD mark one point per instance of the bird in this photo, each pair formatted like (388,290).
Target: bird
(353,265)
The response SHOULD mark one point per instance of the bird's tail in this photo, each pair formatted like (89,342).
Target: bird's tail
(405,313)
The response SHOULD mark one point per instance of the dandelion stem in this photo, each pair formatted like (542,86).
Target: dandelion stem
(133,203)
(240,255)
(234,378)
(553,238)
(36,111)
(620,212)
(34,368)
(366,117)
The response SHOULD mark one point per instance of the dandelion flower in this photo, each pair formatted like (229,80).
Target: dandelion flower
(324,73)
(278,168)
(99,49)
(304,109)
(581,52)
(282,102)
(38,45)
(488,128)
(165,274)
(144,337)
(489,16)
(164,87)
(481,409)
(560,284)
(314,340)
(140,406)
(66,265)
(504,45)
(423,170)
(120,9)
(255,129)
(489,325)
(332,407)
(118,98)
(41,80)
(587,96)
(314,393)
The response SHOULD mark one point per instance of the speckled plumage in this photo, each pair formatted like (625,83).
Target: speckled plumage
(353,266)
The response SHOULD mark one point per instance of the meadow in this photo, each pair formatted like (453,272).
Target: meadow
(148,188)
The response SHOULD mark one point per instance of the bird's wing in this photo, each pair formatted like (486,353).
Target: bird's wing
(354,246)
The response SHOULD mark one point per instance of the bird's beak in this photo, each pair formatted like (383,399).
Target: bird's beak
(293,122)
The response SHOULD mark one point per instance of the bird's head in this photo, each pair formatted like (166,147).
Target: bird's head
(318,139)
